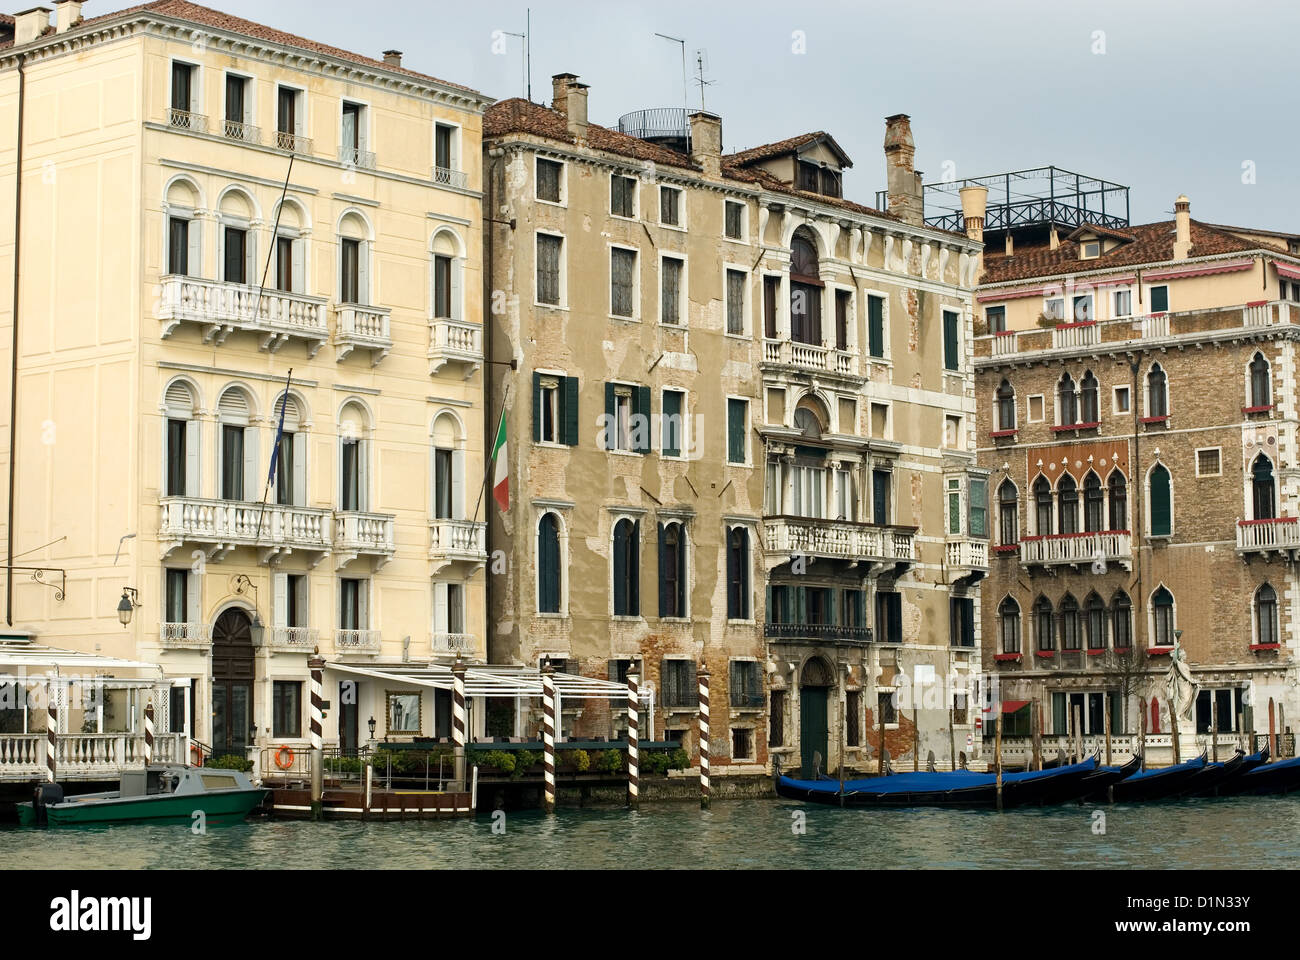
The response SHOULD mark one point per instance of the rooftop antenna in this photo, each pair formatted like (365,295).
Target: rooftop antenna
(682,43)
(523,69)
(702,64)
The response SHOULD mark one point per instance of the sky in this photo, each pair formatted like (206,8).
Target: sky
(1165,96)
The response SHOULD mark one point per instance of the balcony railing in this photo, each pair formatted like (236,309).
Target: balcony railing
(809,356)
(222,308)
(1262,536)
(1105,546)
(292,639)
(458,540)
(292,142)
(356,157)
(1083,334)
(185,120)
(1154,325)
(833,632)
(838,538)
(363,534)
(450,177)
(357,641)
(184,635)
(455,341)
(365,328)
(244,132)
(443,643)
(1005,343)
(84,756)
(226,524)
(968,552)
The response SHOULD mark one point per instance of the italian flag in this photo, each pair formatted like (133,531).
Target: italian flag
(501,476)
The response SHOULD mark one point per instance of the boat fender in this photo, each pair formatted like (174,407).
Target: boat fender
(196,755)
(281,761)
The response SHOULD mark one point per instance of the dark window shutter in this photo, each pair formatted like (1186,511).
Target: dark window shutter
(771,610)
(667,687)
(611,671)
(634,571)
(620,567)
(733,592)
(570,414)
(801,605)
(663,575)
(736,431)
(537,406)
(1160,512)
(690,694)
(609,416)
(950,341)
(641,426)
(876,326)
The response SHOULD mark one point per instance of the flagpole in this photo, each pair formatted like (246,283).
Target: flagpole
(487,471)
(275,455)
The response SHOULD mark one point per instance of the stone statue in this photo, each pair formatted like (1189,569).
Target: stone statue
(1179,685)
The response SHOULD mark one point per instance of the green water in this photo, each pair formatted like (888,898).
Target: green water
(1253,832)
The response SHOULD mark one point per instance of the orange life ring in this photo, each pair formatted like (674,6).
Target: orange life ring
(280,761)
(196,755)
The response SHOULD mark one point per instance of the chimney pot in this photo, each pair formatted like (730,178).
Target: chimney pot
(560,91)
(69,14)
(1182,227)
(570,98)
(30,24)
(393,58)
(706,141)
(903,181)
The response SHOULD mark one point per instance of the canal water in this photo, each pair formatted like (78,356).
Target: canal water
(1251,832)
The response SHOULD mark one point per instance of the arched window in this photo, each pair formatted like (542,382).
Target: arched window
(1006,402)
(1266,615)
(1009,618)
(1070,639)
(627,573)
(1008,522)
(1162,615)
(1069,513)
(354,259)
(448,468)
(238,449)
(1121,621)
(1157,392)
(1118,501)
(1066,398)
(1094,505)
(805,289)
(738,574)
(808,423)
(180,441)
(1262,488)
(1095,620)
(1089,411)
(184,228)
(672,570)
(1162,515)
(549,571)
(448,263)
(1042,507)
(354,457)
(290,247)
(1259,382)
(1044,625)
(237,259)
(290,454)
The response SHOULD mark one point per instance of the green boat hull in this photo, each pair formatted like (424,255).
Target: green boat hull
(226,805)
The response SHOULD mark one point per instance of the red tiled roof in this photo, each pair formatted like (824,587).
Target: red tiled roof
(205,16)
(768,150)
(1151,243)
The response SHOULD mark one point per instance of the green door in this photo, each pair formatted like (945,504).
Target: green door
(813,731)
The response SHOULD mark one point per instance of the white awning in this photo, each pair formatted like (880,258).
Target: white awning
(490,681)
(37,656)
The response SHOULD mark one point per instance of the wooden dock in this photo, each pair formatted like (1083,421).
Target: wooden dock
(294,803)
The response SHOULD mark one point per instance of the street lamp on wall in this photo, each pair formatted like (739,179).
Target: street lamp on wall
(371,724)
(126,606)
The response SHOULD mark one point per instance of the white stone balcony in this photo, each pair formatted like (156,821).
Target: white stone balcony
(219,526)
(837,539)
(362,328)
(455,342)
(809,356)
(449,177)
(292,142)
(1280,535)
(222,308)
(1085,333)
(294,639)
(358,534)
(184,636)
(84,756)
(184,120)
(1078,549)
(357,641)
(452,644)
(968,553)
(457,541)
(356,157)
(243,132)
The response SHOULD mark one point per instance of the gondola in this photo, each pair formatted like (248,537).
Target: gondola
(1281,776)
(1097,784)
(1153,784)
(1214,779)
(959,788)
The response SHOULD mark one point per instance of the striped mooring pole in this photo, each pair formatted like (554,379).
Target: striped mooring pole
(704,736)
(458,721)
(52,733)
(633,754)
(548,737)
(316,664)
(148,732)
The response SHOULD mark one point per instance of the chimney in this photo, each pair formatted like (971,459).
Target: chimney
(904,187)
(69,13)
(393,58)
(570,98)
(706,142)
(560,91)
(974,205)
(1053,238)
(30,24)
(1182,227)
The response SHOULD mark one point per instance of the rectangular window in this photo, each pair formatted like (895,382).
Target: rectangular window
(548,268)
(807,174)
(876,326)
(1036,408)
(880,496)
(996,319)
(236,250)
(853,718)
(183,87)
(547,409)
(843,316)
(548,180)
(232,462)
(442,468)
(622,196)
(954,507)
(746,684)
(295,597)
(284,278)
(742,743)
(178,588)
(888,712)
(889,616)
(236,93)
(951,355)
(176,457)
(1122,399)
(737,574)
(350,271)
(351,594)
(680,688)
(737,430)
(441,286)
(735,301)
(178,246)
(771,294)
(776,719)
(622,282)
(1083,308)
(734,225)
(670,204)
(961,626)
(1054,309)
(352,131)
(1123,303)
(286,709)
(670,291)
(286,116)
(444,146)
(627,418)
(978,506)
(1207,462)
(351,479)
(284,479)
(1159,299)
(672,422)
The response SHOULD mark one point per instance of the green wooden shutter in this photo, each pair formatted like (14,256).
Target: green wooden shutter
(950,340)
(537,406)
(634,571)
(641,423)
(663,574)
(610,432)
(691,691)
(1161,524)
(771,610)
(735,431)
(801,605)
(569,400)
(876,326)
(672,423)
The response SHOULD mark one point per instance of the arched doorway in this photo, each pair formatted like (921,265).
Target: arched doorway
(232,683)
(815,682)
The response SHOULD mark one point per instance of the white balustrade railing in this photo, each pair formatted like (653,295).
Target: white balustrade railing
(368,324)
(1155,325)
(239,306)
(244,132)
(809,356)
(184,120)
(1105,545)
(968,553)
(449,539)
(1282,533)
(1083,334)
(454,341)
(84,755)
(1257,315)
(357,532)
(292,142)
(451,642)
(450,177)
(1006,343)
(237,522)
(184,634)
(837,538)
(357,641)
(294,638)
(356,157)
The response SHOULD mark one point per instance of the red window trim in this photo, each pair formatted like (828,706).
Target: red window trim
(1264,408)
(1007,657)
(1266,646)
(1123,649)
(1149,420)
(1076,323)
(1005,333)
(1256,303)
(999,434)
(1007,548)
(1076,426)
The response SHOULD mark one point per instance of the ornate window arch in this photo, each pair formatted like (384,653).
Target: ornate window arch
(1163,617)
(356,242)
(1263,489)
(237,432)
(1259,383)
(447,450)
(1008,513)
(1009,625)
(674,576)
(1044,625)
(447,272)
(552,583)
(181,438)
(1005,401)
(626,564)
(355,423)
(1266,624)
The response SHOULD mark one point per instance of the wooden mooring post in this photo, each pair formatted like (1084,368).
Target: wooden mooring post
(1272,730)
(703,679)
(1173,729)
(317,666)
(1036,724)
(1214,729)
(952,736)
(1142,732)
(997,752)
(1077,744)
(1106,709)
(916,739)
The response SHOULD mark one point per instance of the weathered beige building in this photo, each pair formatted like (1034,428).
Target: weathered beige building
(742,432)
(201,204)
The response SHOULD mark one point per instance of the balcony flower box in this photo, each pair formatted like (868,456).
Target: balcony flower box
(1045,654)
(1159,651)
(1007,657)
(1265,646)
